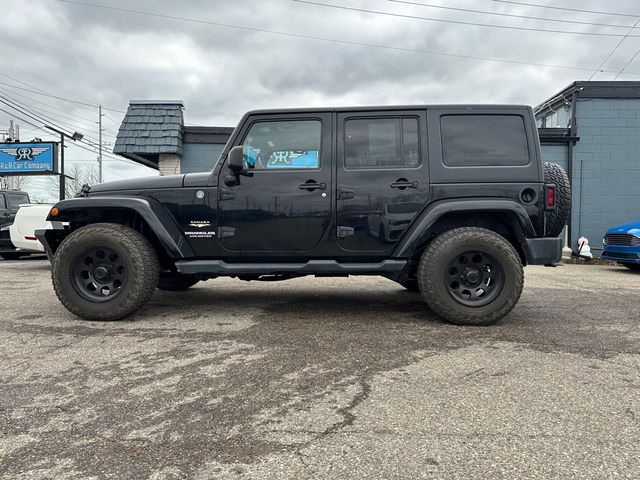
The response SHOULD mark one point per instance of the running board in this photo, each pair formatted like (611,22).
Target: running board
(220,267)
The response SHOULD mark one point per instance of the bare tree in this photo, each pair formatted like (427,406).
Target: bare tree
(79,177)
(13,182)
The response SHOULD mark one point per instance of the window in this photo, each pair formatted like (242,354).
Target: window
(483,140)
(15,200)
(3,204)
(381,143)
(291,144)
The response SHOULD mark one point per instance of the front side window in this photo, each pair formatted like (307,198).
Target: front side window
(381,143)
(293,144)
(484,140)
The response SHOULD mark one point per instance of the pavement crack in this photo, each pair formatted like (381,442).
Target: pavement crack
(347,411)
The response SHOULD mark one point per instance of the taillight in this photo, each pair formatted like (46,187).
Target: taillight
(551,196)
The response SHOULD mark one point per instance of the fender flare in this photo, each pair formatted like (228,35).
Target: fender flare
(159,220)
(421,226)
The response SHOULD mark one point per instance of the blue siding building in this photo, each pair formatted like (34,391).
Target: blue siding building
(592,129)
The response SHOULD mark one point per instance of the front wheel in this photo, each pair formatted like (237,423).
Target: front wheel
(105,271)
(471,276)
(632,266)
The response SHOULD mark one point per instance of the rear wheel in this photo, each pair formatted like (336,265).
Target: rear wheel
(632,266)
(105,271)
(471,276)
(176,282)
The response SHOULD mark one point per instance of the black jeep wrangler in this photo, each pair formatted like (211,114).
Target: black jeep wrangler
(450,201)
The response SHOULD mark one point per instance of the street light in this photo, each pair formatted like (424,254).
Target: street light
(75,137)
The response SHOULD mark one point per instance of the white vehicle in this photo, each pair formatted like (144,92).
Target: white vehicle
(29,218)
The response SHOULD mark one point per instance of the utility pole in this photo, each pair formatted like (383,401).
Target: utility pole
(99,143)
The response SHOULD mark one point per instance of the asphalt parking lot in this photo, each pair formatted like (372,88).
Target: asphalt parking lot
(322,378)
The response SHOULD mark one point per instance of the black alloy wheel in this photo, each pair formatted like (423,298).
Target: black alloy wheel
(99,273)
(474,278)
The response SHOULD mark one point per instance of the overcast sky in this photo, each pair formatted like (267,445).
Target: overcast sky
(105,56)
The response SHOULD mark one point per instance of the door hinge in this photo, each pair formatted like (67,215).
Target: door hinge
(345,232)
(345,193)
(226,232)
(226,194)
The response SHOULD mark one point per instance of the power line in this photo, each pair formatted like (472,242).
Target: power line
(566,9)
(633,57)
(328,39)
(593,74)
(3,60)
(510,15)
(93,106)
(86,122)
(458,22)
(85,145)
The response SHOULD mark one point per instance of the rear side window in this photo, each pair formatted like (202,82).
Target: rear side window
(484,140)
(15,201)
(381,143)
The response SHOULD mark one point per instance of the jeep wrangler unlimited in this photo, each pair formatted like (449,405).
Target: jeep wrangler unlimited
(450,201)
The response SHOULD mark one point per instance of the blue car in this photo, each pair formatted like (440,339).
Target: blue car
(622,245)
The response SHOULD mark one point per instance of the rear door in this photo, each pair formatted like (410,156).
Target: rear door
(382,178)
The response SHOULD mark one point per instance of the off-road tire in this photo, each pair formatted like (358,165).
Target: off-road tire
(137,253)
(176,283)
(632,266)
(435,261)
(556,219)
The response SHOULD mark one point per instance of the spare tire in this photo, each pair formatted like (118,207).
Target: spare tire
(556,219)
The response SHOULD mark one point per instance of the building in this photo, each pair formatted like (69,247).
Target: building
(592,129)
(153,133)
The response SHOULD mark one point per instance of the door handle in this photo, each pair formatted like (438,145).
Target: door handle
(311,185)
(403,183)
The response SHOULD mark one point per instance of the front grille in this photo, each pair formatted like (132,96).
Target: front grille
(632,256)
(621,239)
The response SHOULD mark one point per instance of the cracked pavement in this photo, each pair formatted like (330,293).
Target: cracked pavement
(322,378)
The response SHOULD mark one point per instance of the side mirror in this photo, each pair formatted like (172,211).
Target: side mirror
(235,160)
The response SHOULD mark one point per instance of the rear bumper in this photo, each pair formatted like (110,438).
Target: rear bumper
(542,251)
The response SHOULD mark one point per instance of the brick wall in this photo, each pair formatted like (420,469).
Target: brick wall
(169,164)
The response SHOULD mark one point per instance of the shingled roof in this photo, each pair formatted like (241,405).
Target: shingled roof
(149,128)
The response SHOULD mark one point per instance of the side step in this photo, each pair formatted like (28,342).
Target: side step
(220,267)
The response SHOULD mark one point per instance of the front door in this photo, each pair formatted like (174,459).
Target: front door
(382,180)
(284,205)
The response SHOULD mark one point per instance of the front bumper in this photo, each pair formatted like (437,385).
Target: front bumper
(542,251)
(622,254)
